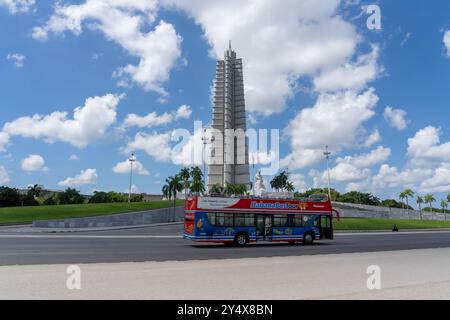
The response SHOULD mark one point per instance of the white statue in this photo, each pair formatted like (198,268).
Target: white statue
(259,185)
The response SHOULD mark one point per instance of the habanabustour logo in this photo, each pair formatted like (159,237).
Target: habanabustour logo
(275,206)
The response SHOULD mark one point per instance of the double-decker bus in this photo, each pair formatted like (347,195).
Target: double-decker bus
(240,221)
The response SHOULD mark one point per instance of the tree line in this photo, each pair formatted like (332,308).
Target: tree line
(35,196)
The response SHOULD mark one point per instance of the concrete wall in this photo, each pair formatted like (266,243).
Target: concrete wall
(348,210)
(117,220)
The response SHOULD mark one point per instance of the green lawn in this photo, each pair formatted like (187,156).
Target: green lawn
(29,214)
(387,224)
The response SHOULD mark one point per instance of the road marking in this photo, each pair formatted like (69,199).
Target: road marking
(345,234)
(26,236)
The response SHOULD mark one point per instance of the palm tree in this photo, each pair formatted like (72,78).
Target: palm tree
(217,188)
(197,184)
(429,198)
(35,190)
(185,174)
(408,193)
(290,187)
(175,186)
(420,201)
(402,197)
(444,206)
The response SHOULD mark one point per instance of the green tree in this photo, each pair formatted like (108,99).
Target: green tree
(290,187)
(444,206)
(10,197)
(70,196)
(197,184)
(420,201)
(408,193)
(217,189)
(429,198)
(35,190)
(175,186)
(185,175)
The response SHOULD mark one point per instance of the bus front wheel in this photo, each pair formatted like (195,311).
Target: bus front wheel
(308,239)
(241,240)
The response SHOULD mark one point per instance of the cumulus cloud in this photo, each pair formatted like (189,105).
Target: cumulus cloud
(447,42)
(426,148)
(74,157)
(33,162)
(374,138)
(353,76)
(17,58)
(18,6)
(353,168)
(4,177)
(314,128)
(125,167)
(86,177)
(4,140)
(396,118)
(280,42)
(125,22)
(183,112)
(89,123)
(153,119)
(155,145)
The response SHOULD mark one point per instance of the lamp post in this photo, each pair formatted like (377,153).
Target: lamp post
(205,141)
(132,160)
(327,155)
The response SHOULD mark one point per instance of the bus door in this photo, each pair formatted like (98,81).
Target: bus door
(326,227)
(264,226)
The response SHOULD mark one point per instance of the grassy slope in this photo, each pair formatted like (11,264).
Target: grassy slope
(387,224)
(29,214)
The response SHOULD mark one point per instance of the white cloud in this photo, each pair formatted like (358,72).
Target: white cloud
(89,123)
(155,145)
(4,141)
(299,182)
(74,157)
(18,6)
(4,177)
(314,128)
(426,148)
(86,177)
(353,168)
(353,76)
(279,42)
(183,112)
(33,162)
(447,42)
(396,118)
(125,167)
(17,58)
(150,120)
(153,119)
(125,22)
(375,137)
(439,182)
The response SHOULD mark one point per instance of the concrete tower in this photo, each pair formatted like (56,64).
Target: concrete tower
(229,150)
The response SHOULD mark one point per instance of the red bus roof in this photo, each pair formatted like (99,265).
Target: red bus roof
(256,205)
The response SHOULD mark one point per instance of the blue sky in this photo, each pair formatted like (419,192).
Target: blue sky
(312,69)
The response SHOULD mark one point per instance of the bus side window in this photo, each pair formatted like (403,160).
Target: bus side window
(280,220)
(244,220)
(211,218)
(297,221)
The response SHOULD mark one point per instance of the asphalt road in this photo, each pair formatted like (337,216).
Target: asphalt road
(164,243)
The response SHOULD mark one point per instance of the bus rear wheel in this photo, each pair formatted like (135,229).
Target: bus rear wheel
(241,240)
(308,239)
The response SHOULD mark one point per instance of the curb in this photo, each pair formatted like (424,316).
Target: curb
(74,230)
